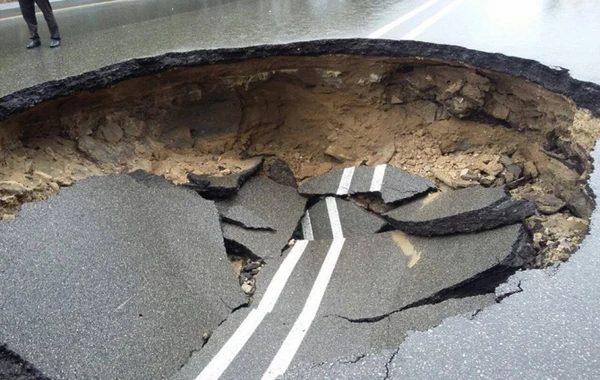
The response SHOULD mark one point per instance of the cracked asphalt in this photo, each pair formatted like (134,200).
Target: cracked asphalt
(555,32)
(547,328)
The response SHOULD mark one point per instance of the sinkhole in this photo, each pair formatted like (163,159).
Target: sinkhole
(448,124)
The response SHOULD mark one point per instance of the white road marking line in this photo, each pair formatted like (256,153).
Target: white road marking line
(377,180)
(292,342)
(307,229)
(345,182)
(380,32)
(430,21)
(236,342)
(334,218)
(281,277)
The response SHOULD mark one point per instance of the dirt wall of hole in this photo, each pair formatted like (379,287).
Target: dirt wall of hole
(434,118)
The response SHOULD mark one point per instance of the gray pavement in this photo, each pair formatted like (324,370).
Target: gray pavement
(112,275)
(562,33)
(316,223)
(549,330)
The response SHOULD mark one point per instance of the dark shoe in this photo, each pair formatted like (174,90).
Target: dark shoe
(54,43)
(33,44)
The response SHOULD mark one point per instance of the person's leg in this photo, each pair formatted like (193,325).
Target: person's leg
(46,9)
(28,11)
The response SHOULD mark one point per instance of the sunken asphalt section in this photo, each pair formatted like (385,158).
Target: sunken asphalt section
(547,329)
(126,276)
(100,282)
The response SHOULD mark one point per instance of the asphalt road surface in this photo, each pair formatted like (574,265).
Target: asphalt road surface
(555,32)
(546,331)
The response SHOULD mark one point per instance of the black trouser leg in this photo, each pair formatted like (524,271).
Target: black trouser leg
(28,11)
(46,9)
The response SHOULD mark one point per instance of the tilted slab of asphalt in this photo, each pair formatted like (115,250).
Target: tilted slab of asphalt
(280,206)
(255,357)
(316,222)
(362,306)
(465,210)
(391,183)
(547,329)
(114,278)
(242,216)
(225,187)
(403,270)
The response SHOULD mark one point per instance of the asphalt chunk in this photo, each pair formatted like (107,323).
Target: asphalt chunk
(409,271)
(225,187)
(278,205)
(316,223)
(242,216)
(280,172)
(114,279)
(392,184)
(465,210)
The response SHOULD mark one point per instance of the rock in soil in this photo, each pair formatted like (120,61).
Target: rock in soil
(546,203)
(280,172)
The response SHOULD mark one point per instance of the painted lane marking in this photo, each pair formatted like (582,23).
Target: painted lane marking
(430,21)
(345,182)
(307,229)
(236,342)
(292,342)
(377,180)
(380,32)
(334,218)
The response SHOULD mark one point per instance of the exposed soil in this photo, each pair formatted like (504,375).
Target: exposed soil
(457,125)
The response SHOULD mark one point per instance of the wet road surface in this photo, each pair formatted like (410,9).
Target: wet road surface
(561,33)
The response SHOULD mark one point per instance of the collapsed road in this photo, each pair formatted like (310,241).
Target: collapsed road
(279,212)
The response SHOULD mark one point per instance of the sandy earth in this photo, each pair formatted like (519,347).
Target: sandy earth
(455,125)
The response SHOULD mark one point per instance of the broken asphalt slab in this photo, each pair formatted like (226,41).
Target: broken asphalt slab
(261,347)
(402,282)
(317,224)
(280,206)
(465,210)
(114,279)
(412,271)
(241,216)
(212,187)
(392,184)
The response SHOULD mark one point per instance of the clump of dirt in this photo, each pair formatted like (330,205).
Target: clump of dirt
(457,125)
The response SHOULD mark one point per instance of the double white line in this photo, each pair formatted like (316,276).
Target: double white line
(343,189)
(292,342)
